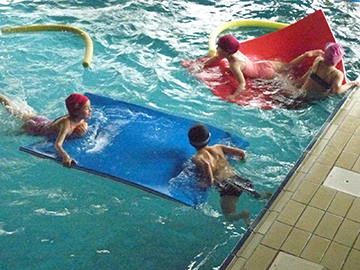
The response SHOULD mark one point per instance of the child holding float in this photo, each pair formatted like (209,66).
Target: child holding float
(70,125)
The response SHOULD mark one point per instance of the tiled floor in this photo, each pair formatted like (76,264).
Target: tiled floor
(316,224)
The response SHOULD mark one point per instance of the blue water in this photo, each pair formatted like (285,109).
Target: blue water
(57,218)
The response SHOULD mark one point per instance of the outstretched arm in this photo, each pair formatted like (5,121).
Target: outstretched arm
(235,68)
(339,88)
(64,130)
(298,60)
(233,151)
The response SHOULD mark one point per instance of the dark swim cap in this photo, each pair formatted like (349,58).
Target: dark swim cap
(199,135)
(229,44)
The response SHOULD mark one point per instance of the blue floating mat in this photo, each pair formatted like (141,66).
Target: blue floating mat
(138,146)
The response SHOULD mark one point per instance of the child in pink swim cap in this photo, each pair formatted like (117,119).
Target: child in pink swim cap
(71,124)
(323,78)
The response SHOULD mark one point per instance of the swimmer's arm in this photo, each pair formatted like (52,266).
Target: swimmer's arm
(234,151)
(298,60)
(338,88)
(64,130)
(235,68)
(205,168)
(211,60)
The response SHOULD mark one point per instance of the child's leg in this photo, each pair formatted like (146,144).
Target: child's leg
(13,109)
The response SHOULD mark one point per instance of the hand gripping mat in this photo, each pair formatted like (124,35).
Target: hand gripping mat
(138,146)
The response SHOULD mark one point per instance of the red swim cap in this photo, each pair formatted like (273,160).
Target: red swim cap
(75,102)
(229,44)
(333,53)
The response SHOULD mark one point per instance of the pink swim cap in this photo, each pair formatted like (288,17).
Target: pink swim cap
(333,53)
(229,44)
(75,102)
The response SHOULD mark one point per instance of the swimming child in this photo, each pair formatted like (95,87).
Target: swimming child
(216,171)
(323,78)
(71,125)
(242,67)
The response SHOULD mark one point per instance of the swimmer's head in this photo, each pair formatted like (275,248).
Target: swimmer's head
(199,135)
(75,102)
(229,44)
(333,53)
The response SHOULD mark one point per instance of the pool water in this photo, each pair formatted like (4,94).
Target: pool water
(57,218)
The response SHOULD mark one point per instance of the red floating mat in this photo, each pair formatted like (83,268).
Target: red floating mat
(310,33)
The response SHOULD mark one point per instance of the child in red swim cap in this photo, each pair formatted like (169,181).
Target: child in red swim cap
(71,125)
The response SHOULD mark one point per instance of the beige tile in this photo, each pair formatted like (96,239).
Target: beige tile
(329,155)
(346,160)
(236,264)
(335,256)
(328,225)
(318,173)
(296,241)
(310,219)
(353,213)
(339,139)
(305,192)
(323,197)
(357,243)
(266,222)
(250,245)
(291,212)
(355,110)
(315,249)
(341,204)
(261,259)
(308,162)
(295,181)
(353,146)
(339,117)
(353,260)
(319,146)
(330,130)
(281,201)
(276,235)
(356,167)
(285,261)
(347,233)
(349,124)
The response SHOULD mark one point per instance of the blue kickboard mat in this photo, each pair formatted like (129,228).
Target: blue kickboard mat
(138,146)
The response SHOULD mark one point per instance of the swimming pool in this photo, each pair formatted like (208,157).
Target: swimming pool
(52,217)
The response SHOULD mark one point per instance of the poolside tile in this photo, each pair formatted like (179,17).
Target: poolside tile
(353,146)
(352,262)
(341,204)
(356,167)
(266,222)
(347,233)
(319,146)
(323,197)
(236,264)
(284,261)
(318,173)
(329,155)
(349,124)
(346,160)
(308,162)
(355,110)
(357,243)
(339,139)
(330,131)
(340,116)
(335,256)
(305,192)
(295,181)
(281,201)
(261,258)
(328,225)
(315,249)
(310,219)
(291,212)
(250,245)
(276,235)
(296,241)
(353,213)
